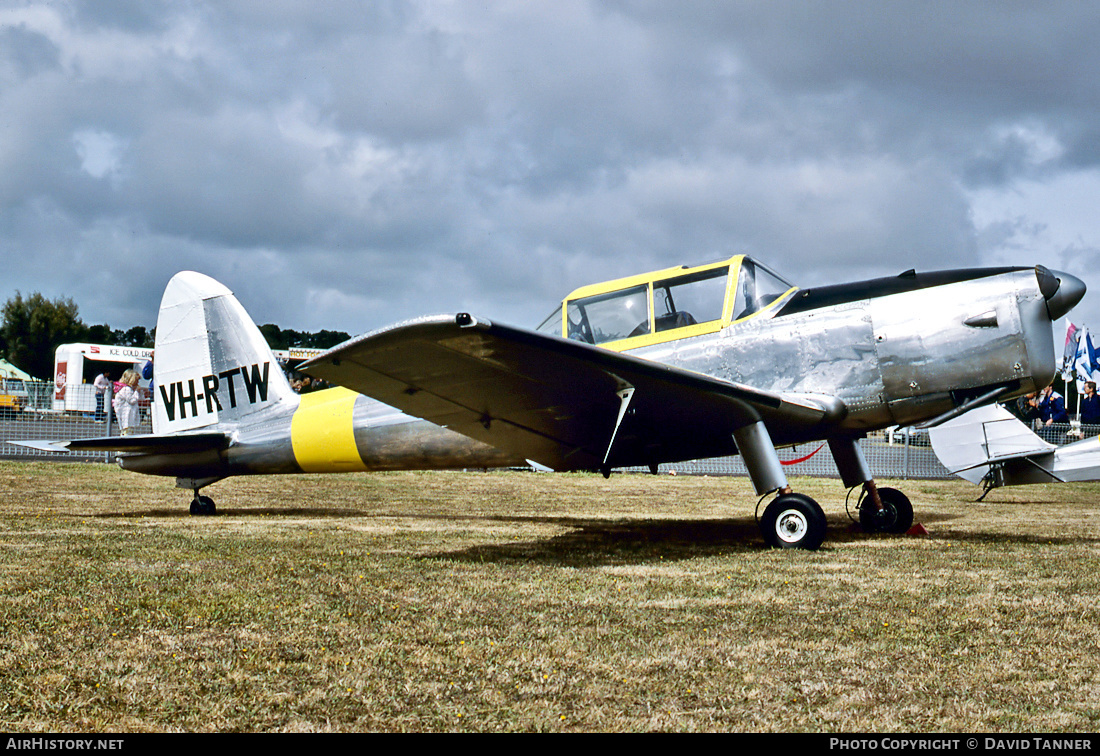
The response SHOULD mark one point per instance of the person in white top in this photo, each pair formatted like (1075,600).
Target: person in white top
(102,385)
(126,405)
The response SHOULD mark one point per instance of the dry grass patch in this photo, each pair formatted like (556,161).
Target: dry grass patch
(520,601)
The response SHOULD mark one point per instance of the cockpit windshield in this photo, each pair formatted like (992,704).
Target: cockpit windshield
(552,323)
(757,287)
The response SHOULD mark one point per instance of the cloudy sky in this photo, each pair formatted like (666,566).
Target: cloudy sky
(345,164)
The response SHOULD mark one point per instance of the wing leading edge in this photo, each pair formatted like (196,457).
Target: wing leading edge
(563,404)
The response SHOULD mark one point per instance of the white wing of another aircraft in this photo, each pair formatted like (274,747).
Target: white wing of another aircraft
(970,444)
(989,446)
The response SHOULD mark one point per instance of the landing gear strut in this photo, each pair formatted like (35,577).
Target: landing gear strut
(791,521)
(202,505)
(881,510)
(795,521)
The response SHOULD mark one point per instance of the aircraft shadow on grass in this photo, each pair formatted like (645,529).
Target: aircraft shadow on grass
(606,542)
(321,513)
(592,543)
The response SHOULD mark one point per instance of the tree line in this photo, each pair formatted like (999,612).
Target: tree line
(32,327)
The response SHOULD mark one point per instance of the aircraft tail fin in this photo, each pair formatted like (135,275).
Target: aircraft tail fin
(969,445)
(212,367)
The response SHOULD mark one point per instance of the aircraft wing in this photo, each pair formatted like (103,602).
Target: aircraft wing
(969,444)
(564,404)
(180,443)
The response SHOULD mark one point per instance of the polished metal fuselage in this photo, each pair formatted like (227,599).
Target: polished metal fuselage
(385,439)
(898,358)
(892,360)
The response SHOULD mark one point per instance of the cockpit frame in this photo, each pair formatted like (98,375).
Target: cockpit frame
(669,304)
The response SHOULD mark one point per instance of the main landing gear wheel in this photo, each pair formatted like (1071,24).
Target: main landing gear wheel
(793,521)
(203,505)
(896,515)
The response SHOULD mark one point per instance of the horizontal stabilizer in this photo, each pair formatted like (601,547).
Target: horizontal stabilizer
(182,443)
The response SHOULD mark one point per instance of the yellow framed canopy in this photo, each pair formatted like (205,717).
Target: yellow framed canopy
(669,304)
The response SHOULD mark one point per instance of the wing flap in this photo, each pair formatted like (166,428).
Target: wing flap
(555,400)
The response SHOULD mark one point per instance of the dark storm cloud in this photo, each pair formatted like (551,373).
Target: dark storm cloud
(342,165)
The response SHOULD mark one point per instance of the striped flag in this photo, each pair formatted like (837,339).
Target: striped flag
(1069,354)
(1086,365)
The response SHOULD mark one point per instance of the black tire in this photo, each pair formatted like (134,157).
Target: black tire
(203,505)
(896,515)
(793,521)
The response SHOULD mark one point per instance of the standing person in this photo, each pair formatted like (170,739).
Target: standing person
(1090,408)
(1052,409)
(126,405)
(102,384)
(147,374)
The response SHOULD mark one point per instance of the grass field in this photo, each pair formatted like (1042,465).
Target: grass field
(536,602)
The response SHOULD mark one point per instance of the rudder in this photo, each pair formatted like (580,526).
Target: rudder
(213,366)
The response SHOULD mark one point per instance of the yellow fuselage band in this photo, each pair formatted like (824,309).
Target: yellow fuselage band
(322,432)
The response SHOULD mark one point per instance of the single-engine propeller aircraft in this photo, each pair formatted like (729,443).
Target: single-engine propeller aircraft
(991,447)
(677,364)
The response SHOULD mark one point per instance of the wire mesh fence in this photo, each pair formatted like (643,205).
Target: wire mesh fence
(28,413)
(898,455)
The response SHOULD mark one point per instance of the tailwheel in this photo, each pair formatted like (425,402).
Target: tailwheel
(793,521)
(203,505)
(896,515)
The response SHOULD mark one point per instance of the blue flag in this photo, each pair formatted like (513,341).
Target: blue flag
(1085,363)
